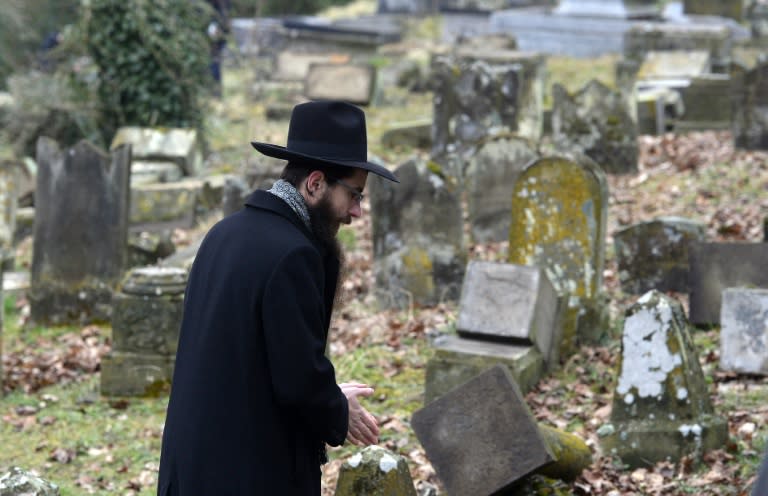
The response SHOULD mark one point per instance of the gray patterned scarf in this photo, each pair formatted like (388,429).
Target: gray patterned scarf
(290,195)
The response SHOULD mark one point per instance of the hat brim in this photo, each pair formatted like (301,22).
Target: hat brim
(282,152)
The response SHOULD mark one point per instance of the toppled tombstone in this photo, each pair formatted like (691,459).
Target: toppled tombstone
(145,332)
(375,471)
(353,83)
(559,209)
(153,146)
(717,266)
(490,175)
(596,121)
(80,232)
(418,247)
(661,406)
(744,331)
(19,482)
(654,255)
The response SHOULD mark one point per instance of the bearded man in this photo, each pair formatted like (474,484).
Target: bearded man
(254,398)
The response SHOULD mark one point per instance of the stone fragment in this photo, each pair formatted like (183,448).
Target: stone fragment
(490,175)
(510,303)
(661,406)
(353,83)
(654,255)
(744,331)
(480,437)
(180,146)
(559,209)
(418,247)
(596,121)
(375,471)
(19,482)
(717,266)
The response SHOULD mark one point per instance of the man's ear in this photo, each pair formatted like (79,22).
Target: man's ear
(315,184)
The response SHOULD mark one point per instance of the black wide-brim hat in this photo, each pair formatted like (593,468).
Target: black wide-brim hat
(329,132)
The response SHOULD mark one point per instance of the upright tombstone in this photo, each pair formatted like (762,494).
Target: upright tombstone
(645,37)
(744,331)
(750,123)
(661,406)
(717,266)
(708,103)
(354,83)
(145,332)
(479,94)
(596,121)
(80,231)
(375,471)
(490,176)
(654,255)
(559,209)
(418,247)
(623,9)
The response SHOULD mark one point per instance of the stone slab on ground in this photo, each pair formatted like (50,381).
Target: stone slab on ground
(744,331)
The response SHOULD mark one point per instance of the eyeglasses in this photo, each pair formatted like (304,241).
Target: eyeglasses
(357,196)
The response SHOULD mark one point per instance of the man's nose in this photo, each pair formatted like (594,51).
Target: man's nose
(356,210)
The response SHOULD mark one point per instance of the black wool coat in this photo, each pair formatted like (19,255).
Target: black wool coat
(254,398)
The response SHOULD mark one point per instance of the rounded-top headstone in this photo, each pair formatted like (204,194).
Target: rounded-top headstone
(155,281)
(375,471)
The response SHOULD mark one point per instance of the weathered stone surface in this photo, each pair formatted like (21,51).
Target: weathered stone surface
(148,248)
(750,123)
(708,102)
(661,407)
(457,360)
(294,66)
(716,266)
(353,83)
(9,184)
(404,6)
(145,324)
(559,210)
(492,41)
(735,9)
(419,254)
(80,233)
(147,172)
(645,37)
(416,134)
(511,303)
(375,471)
(490,175)
(571,453)
(623,9)
(480,437)
(234,194)
(484,93)
(654,255)
(473,5)
(758,19)
(744,331)
(671,64)
(177,145)
(136,374)
(596,121)
(658,108)
(160,206)
(19,482)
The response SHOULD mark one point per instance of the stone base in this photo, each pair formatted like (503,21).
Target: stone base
(643,443)
(79,305)
(132,374)
(457,360)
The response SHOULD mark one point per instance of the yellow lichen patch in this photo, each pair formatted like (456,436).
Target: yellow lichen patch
(417,272)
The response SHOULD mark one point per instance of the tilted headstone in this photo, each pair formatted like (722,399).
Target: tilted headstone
(661,406)
(353,83)
(80,231)
(457,360)
(654,255)
(145,332)
(179,146)
(744,331)
(713,38)
(708,103)
(375,471)
(478,94)
(624,9)
(19,482)
(418,248)
(490,176)
(717,266)
(735,9)
(750,123)
(559,210)
(480,437)
(510,303)
(597,122)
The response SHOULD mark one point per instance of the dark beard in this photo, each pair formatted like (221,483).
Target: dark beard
(321,219)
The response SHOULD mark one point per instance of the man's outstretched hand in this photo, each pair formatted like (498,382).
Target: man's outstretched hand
(363,428)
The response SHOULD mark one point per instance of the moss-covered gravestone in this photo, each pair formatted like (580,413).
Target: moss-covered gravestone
(375,471)
(490,176)
(661,406)
(596,121)
(80,232)
(19,482)
(559,210)
(418,248)
(145,332)
(654,255)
